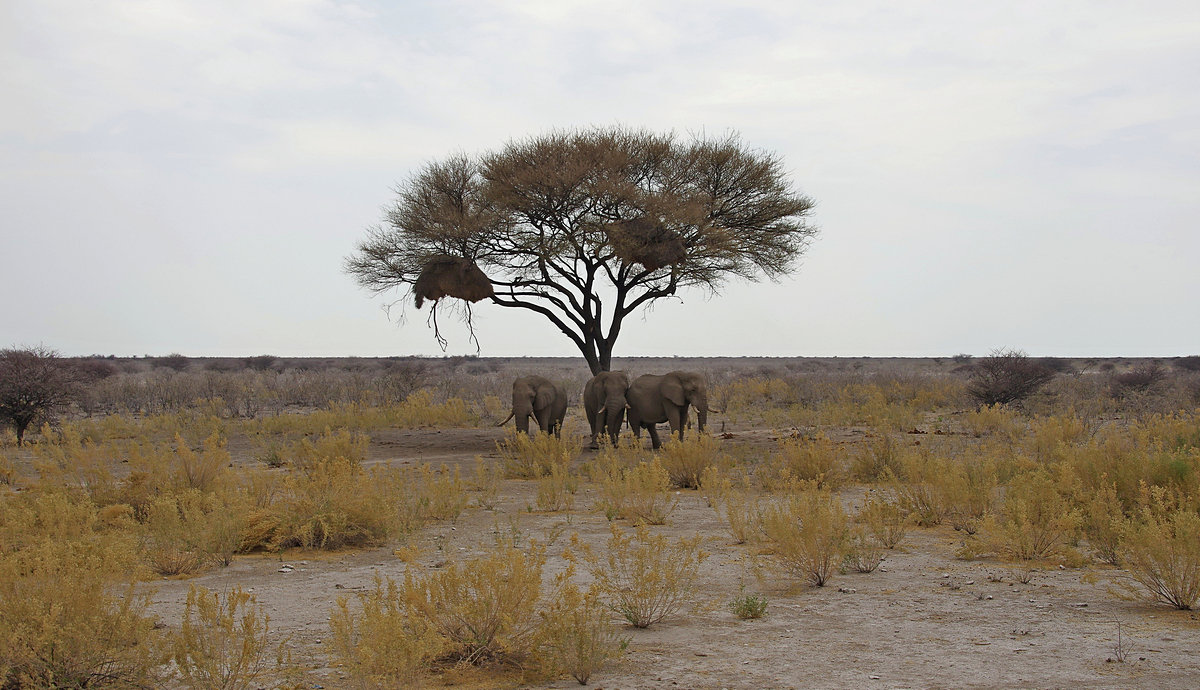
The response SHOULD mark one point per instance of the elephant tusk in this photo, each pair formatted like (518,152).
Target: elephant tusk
(510,416)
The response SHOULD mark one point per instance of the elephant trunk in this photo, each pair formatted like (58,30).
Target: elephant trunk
(614,415)
(701,405)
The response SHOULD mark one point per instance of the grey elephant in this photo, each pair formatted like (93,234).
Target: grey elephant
(654,399)
(540,398)
(604,403)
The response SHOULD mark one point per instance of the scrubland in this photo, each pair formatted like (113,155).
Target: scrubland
(362,523)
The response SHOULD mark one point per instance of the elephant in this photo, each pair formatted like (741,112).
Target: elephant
(604,403)
(541,398)
(655,399)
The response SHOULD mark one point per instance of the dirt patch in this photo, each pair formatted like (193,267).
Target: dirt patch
(923,619)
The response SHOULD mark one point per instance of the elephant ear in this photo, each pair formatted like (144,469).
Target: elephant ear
(545,396)
(672,390)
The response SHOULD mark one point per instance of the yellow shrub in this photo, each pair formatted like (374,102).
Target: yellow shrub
(808,534)
(556,491)
(637,493)
(61,623)
(1161,548)
(998,420)
(387,643)
(644,578)
(885,521)
(336,504)
(804,459)
(329,445)
(224,642)
(205,469)
(528,456)
(686,461)
(579,636)
(1036,520)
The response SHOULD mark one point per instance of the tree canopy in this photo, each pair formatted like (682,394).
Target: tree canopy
(586,227)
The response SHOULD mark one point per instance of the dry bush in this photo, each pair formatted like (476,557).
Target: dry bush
(485,610)
(1102,523)
(387,643)
(556,491)
(806,459)
(644,578)
(743,515)
(328,445)
(205,469)
(224,642)
(62,624)
(1140,379)
(580,637)
(918,488)
(885,520)
(988,420)
(8,471)
(1005,377)
(686,461)
(1036,521)
(808,533)
(639,493)
(1051,437)
(1161,549)
(528,456)
(862,552)
(877,460)
(337,504)
(486,484)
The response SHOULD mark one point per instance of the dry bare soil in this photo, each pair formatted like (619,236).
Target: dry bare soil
(924,619)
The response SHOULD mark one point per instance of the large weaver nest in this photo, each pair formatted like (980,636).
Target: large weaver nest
(644,242)
(451,276)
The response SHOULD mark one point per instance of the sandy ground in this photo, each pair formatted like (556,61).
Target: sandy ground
(923,620)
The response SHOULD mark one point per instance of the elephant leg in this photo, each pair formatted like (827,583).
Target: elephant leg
(595,421)
(655,441)
(544,420)
(676,418)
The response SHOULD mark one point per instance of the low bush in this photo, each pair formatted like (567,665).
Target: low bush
(1161,549)
(644,578)
(748,606)
(686,461)
(580,637)
(885,520)
(1036,520)
(225,642)
(64,619)
(529,456)
(807,533)
(810,460)
(639,493)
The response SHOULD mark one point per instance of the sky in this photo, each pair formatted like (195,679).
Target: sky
(189,176)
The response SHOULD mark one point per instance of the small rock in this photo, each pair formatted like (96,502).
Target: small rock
(989,597)
(970,582)
(874,677)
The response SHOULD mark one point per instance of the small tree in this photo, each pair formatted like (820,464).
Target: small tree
(34,383)
(586,228)
(1006,376)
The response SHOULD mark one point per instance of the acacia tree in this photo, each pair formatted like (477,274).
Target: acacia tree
(586,227)
(34,382)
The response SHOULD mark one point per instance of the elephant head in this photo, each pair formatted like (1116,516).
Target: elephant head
(604,402)
(685,388)
(540,398)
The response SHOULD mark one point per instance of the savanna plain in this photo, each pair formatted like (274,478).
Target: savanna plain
(362,523)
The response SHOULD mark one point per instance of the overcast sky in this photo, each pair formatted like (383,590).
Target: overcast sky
(188,176)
